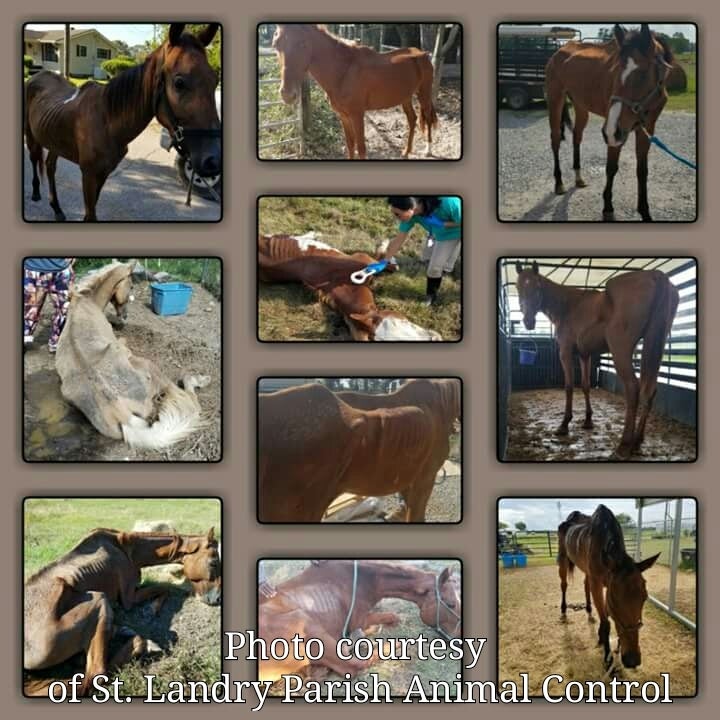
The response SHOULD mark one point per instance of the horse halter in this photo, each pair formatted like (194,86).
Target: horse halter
(178,133)
(441,603)
(640,107)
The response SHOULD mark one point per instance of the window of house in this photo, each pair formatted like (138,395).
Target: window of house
(49,52)
(103,54)
(81,50)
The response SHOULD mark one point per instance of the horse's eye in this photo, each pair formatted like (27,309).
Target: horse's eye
(179,83)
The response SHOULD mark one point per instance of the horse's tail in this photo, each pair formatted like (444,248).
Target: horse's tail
(562,556)
(35,149)
(565,119)
(428,116)
(178,417)
(662,314)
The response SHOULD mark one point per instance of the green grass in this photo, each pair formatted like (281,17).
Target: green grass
(685,100)
(350,224)
(53,526)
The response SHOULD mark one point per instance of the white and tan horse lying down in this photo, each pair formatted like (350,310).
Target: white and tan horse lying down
(124,396)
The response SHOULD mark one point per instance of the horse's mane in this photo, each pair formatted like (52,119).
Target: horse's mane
(123,91)
(606,529)
(354,44)
(93,278)
(633,41)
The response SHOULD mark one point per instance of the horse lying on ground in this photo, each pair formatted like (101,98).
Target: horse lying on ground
(313,446)
(326,271)
(125,397)
(633,306)
(623,81)
(356,78)
(320,602)
(93,125)
(68,604)
(596,545)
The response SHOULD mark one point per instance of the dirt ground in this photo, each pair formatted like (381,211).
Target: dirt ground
(534,415)
(398,673)
(534,639)
(55,431)
(386,130)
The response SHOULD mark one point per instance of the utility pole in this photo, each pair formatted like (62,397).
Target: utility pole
(66,55)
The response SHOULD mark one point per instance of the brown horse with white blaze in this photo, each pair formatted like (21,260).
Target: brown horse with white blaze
(356,79)
(92,125)
(595,544)
(623,81)
(633,306)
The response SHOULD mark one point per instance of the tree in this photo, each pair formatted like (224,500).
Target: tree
(625,520)
(502,525)
(520,526)
(214,50)
(605,34)
(123,48)
(439,52)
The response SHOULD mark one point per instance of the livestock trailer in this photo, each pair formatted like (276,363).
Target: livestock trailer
(523,53)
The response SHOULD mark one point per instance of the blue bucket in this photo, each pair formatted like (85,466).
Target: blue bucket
(527,356)
(520,560)
(170,298)
(507,560)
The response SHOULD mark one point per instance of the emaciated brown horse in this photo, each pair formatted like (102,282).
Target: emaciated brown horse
(93,125)
(124,396)
(623,81)
(68,604)
(357,79)
(313,447)
(614,580)
(634,306)
(327,271)
(318,603)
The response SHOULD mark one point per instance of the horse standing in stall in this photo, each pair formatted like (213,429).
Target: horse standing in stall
(332,599)
(635,305)
(356,79)
(93,125)
(124,396)
(68,604)
(623,81)
(327,271)
(596,545)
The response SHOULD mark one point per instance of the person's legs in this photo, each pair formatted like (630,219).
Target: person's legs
(60,294)
(442,253)
(34,293)
(453,256)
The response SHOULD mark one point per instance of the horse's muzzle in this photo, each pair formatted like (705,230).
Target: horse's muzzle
(631,659)
(529,322)
(213,596)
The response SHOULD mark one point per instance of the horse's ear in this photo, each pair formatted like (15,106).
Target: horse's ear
(518,267)
(643,565)
(619,33)
(211,535)
(646,37)
(206,36)
(176,30)
(444,575)
(535,268)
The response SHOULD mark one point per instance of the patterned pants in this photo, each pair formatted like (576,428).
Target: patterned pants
(36,287)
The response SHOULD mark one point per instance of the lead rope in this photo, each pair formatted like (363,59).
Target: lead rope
(352,600)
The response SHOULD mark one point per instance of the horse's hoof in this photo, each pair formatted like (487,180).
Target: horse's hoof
(645,217)
(36,196)
(588,425)
(60,217)
(580,183)
(562,431)
(622,453)
(608,216)
(559,189)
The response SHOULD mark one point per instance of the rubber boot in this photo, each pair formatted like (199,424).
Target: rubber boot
(431,292)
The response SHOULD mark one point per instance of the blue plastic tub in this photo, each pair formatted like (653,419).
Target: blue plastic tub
(170,298)
(520,561)
(507,560)
(527,355)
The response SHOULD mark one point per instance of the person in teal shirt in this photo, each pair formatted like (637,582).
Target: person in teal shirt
(441,216)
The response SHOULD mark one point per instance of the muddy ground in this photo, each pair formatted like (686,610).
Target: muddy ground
(398,673)
(534,639)
(56,431)
(534,415)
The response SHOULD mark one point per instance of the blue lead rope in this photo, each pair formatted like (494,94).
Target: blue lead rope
(656,141)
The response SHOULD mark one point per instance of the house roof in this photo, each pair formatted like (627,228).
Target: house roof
(58,36)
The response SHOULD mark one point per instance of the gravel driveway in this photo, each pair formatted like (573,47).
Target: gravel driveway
(525,172)
(142,188)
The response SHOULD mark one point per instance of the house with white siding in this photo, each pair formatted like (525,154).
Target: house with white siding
(88,50)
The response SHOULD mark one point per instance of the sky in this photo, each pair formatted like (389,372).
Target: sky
(135,34)
(542,513)
(590,31)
